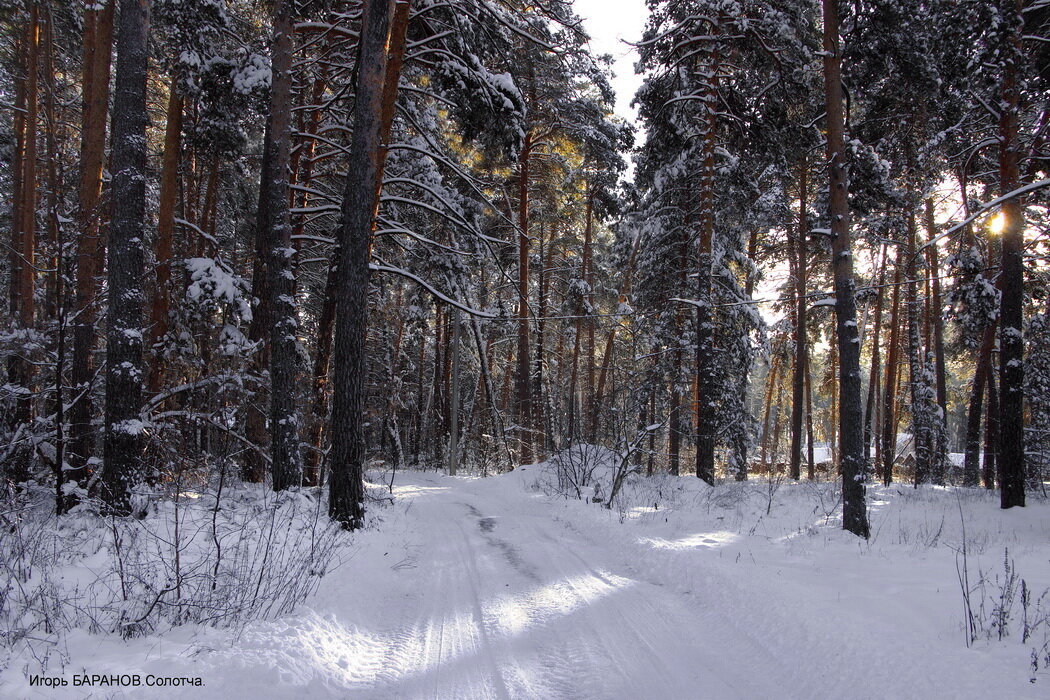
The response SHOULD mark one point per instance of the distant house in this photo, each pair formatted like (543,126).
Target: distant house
(906,453)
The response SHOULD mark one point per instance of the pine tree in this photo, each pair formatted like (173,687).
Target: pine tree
(851,423)
(124,426)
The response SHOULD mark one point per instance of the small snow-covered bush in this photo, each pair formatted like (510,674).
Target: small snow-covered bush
(575,469)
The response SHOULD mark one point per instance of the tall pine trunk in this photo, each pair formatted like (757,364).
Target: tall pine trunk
(851,412)
(354,237)
(801,358)
(1011,281)
(706,359)
(889,393)
(97,55)
(23,244)
(871,409)
(124,367)
(522,371)
(992,435)
(972,454)
(940,451)
(169,185)
(273,221)
(326,322)
(920,404)
(586,325)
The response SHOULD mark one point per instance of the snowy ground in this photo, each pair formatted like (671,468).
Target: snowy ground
(500,588)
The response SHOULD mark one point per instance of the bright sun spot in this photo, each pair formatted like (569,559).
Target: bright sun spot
(997,223)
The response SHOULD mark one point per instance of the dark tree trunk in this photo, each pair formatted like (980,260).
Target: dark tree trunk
(20,367)
(674,422)
(273,223)
(124,366)
(603,377)
(771,383)
(98,39)
(972,456)
(572,418)
(1011,282)
(357,219)
(539,403)
(851,412)
(992,436)
(319,379)
(586,325)
(706,352)
(801,359)
(326,322)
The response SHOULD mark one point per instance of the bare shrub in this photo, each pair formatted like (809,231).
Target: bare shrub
(218,556)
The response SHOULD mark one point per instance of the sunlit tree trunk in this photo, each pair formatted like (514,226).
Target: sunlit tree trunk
(889,393)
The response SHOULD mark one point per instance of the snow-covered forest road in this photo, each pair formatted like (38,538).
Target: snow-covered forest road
(509,602)
(499,587)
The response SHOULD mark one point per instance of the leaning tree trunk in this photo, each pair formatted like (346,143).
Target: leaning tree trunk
(851,412)
(273,221)
(1011,284)
(354,237)
(326,323)
(124,367)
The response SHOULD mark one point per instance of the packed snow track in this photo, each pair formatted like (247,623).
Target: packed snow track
(481,588)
